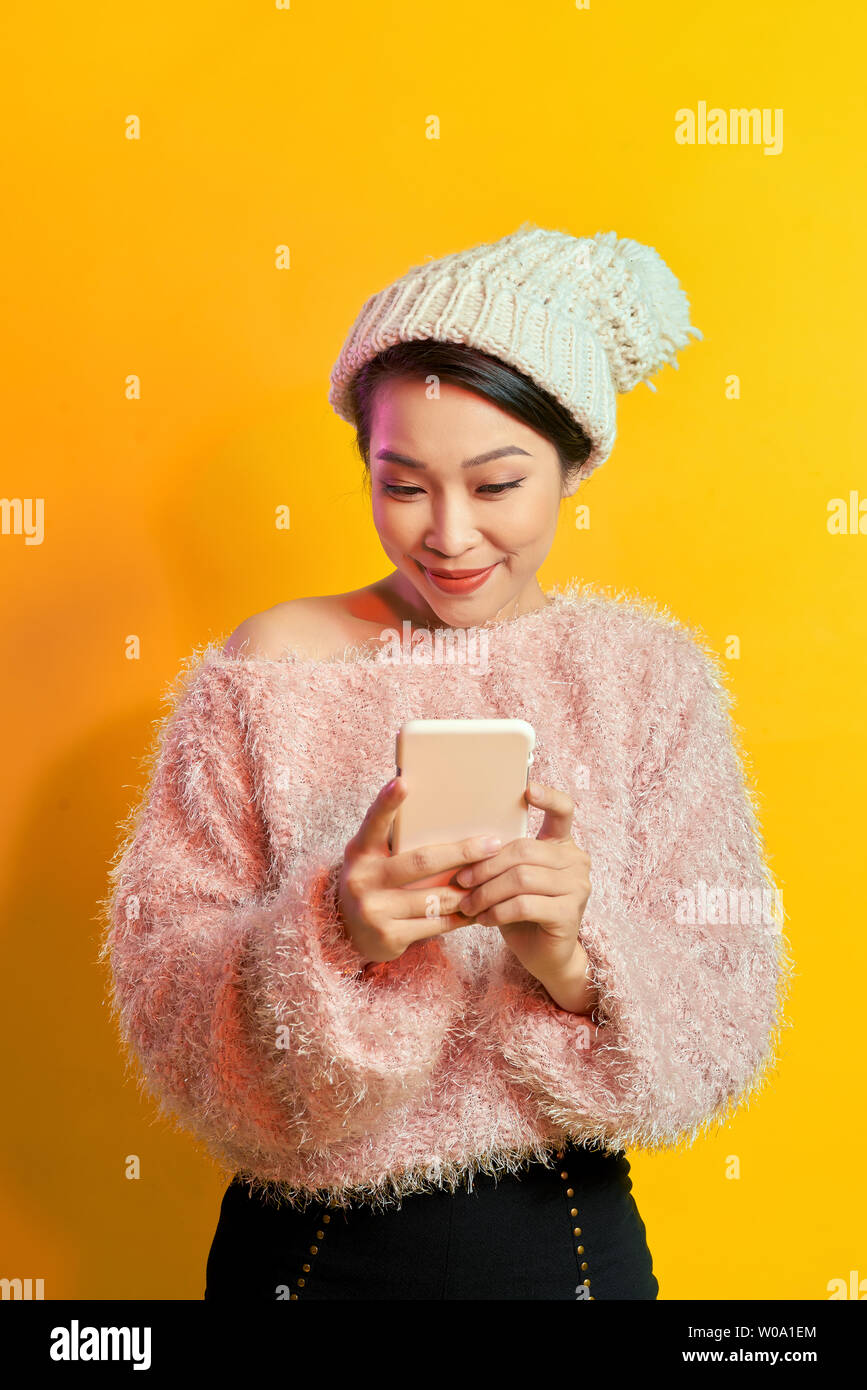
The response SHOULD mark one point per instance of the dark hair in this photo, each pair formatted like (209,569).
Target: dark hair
(476,371)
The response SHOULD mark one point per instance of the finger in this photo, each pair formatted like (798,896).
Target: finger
(372,834)
(553,853)
(526,907)
(559,810)
(400,904)
(418,928)
(540,879)
(427,860)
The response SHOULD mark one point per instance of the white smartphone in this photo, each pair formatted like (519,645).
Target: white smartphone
(464,777)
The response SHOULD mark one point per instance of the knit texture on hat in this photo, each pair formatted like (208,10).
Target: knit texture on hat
(583,317)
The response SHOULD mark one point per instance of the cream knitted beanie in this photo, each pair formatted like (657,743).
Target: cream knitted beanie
(583,317)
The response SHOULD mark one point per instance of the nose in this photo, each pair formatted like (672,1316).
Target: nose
(452,530)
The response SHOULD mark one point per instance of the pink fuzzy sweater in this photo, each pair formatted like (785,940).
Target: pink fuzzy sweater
(258,1026)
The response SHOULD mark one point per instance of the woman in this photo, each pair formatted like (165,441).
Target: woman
(438,1107)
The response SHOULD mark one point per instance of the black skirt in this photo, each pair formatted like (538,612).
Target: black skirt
(571,1231)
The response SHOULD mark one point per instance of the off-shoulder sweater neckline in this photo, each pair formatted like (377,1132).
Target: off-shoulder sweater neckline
(577,599)
(363,654)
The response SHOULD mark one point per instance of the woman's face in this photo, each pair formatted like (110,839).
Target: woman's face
(436,509)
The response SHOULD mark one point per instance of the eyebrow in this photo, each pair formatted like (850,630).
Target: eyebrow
(389,456)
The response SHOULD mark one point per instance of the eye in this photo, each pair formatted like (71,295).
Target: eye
(495,489)
(500,487)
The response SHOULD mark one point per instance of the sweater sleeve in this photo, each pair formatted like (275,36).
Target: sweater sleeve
(253,1019)
(687,949)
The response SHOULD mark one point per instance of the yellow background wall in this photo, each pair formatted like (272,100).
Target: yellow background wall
(156,256)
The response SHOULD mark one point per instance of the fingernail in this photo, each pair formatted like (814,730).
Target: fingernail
(490,843)
(390,786)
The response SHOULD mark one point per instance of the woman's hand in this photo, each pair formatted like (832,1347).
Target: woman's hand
(536,891)
(380,915)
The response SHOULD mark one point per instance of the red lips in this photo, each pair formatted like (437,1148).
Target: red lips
(458,574)
(458,581)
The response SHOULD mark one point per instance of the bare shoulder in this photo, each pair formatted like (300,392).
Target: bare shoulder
(312,627)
